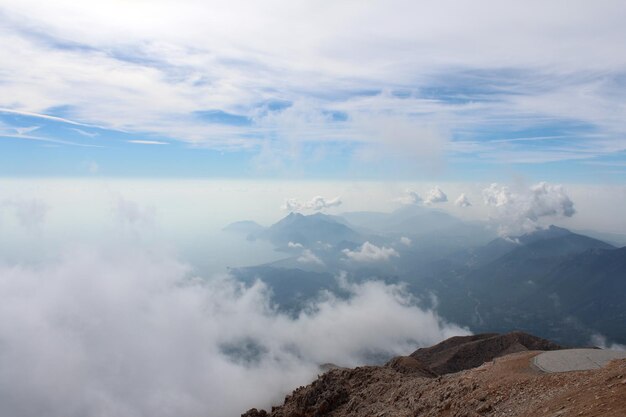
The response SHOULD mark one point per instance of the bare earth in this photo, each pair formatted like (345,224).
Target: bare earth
(507,386)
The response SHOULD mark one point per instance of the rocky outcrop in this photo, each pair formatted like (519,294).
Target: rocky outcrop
(505,385)
(410,365)
(465,352)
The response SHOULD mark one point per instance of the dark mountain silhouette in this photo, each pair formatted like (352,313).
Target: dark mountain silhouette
(543,243)
(534,286)
(493,250)
(590,286)
(308,230)
(522,268)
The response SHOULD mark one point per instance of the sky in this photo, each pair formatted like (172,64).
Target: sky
(394,90)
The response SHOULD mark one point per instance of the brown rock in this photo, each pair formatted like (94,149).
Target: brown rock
(465,352)
(508,387)
(253,412)
(410,365)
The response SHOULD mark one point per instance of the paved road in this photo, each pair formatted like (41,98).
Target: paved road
(575,359)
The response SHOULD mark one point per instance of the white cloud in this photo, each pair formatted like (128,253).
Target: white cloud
(436,195)
(369,252)
(131,213)
(25,130)
(524,209)
(106,65)
(30,213)
(84,132)
(24,133)
(600,341)
(148,142)
(308,257)
(317,203)
(462,201)
(405,241)
(410,197)
(294,245)
(399,137)
(128,333)
(291,204)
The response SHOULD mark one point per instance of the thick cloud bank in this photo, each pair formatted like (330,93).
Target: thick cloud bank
(522,210)
(131,333)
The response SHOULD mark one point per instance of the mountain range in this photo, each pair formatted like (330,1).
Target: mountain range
(552,282)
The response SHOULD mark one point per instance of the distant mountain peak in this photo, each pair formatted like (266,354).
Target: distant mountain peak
(307,229)
(549,232)
(244,226)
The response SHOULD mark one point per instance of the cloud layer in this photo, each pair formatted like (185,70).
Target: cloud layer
(30,213)
(130,333)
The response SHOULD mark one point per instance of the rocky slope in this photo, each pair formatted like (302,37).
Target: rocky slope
(465,352)
(502,386)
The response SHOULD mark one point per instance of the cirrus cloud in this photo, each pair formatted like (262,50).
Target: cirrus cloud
(104,65)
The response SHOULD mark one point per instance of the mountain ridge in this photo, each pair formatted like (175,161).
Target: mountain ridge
(496,383)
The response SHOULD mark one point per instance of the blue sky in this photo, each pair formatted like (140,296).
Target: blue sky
(314,90)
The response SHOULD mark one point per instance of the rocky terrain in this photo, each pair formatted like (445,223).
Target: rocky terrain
(465,352)
(505,383)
